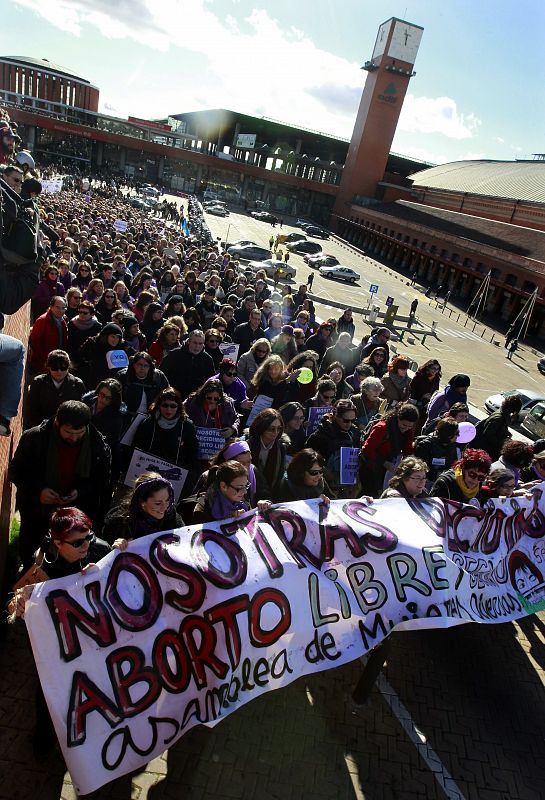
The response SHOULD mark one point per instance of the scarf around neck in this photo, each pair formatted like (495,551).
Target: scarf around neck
(468,493)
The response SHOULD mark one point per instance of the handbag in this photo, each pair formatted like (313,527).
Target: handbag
(35,574)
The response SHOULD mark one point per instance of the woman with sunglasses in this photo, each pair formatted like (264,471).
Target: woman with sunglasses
(167,431)
(73,299)
(227,494)
(378,360)
(464,480)
(304,479)
(210,407)
(108,303)
(68,548)
(335,430)
(83,276)
(81,328)
(233,386)
(212,341)
(268,446)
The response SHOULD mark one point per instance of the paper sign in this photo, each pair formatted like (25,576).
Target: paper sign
(117,359)
(130,433)
(121,225)
(261,402)
(211,440)
(315,414)
(349,465)
(52,186)
(145,462)
(229,350)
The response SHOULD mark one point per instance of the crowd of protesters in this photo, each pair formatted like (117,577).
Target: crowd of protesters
(147,338)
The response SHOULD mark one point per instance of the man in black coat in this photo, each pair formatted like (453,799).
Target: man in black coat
(63,462)
(187,367)
(249,332)
(46,392)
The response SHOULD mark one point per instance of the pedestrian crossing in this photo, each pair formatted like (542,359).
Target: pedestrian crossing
(458,334)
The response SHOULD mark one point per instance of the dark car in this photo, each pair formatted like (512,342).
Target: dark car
(541,366)
(294,237)
(304,247)
(300,223)
(250,252)
(264,216)
(318,233)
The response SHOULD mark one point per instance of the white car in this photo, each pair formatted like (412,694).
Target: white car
(321,260)
(340,273)
(270,265)
(217,211)
(529,397)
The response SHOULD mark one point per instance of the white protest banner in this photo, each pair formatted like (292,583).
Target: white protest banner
(186,626)
(229,350)
(349,465)
(261,402)
(52,185)
(146,462)
(315,414)
(211,440)
(121,225)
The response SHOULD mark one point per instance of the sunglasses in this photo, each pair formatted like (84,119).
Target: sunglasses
(217,341)
(315,471)
(240,488)
(347,420)
(169,405)
(112,296)
(211,399)
(78,542)
(475,475)
(328,396)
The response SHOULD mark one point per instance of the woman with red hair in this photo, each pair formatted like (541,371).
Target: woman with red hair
(463,481)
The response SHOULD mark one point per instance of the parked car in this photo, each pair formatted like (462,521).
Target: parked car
(150,191)
(340,273)
(529,398)
(300,222)
(264,216)
(318,233)
(541,366)
(321,260)
(293,237)
(217,211)
(137,202)
(240,243)
(533,423)
(304,246)
(250,252)
(270,265)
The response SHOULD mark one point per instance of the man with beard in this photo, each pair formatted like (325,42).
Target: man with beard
(62,462)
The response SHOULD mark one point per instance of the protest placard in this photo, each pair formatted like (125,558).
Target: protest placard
(349,465)
(121,225)
(315,414)
(146,462)
(128,436)
(119,649)
(229,350)
(52,185)
(261,402)
(211,440)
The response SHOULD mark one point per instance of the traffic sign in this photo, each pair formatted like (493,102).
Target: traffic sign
(389,301)
(373,288)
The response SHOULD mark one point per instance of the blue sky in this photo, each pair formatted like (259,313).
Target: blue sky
(478,91)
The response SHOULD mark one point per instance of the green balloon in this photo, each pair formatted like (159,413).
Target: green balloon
(305,376)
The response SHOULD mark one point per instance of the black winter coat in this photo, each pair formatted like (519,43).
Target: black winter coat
(44,398)
(187,372)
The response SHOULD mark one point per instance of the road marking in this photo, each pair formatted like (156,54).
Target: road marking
(427,753)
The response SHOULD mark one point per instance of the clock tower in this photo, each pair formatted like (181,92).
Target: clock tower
(389,72)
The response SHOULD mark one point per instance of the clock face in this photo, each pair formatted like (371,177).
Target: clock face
(405,42)
(382,37)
